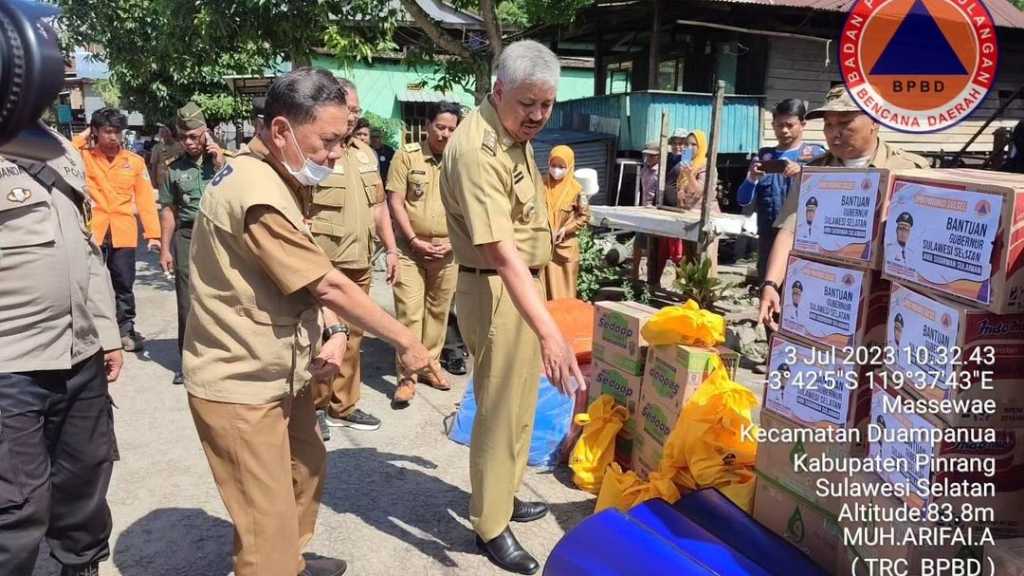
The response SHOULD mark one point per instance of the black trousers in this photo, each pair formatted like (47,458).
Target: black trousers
(56,454)
(454,346)
(182,243)
(121,263)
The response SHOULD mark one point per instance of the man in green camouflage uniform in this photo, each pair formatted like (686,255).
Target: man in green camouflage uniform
(186,177)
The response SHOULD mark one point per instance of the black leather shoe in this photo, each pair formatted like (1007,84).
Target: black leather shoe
(506,552)
(457,366)
(324,567)
(528,511)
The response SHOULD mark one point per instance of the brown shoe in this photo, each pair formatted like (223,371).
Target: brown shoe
(404,392)
(429,380)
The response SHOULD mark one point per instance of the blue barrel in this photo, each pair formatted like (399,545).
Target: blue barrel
(612,544)
(719,516)
(697,542)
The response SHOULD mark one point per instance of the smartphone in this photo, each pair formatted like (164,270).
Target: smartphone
(773,166)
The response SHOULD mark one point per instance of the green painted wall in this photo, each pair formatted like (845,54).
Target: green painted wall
(382,82)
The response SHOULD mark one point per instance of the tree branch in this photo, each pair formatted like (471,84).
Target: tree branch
(435,32)
(489,13)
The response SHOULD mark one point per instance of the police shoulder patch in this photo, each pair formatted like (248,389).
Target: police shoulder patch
(489,142)
(412,147)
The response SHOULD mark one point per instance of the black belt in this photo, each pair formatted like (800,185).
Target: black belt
(535,272)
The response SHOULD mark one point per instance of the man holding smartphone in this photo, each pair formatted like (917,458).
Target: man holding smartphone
(180,191)
(119,186)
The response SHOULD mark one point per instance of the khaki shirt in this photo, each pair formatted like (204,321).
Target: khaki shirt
(416,171)
(56,301)
(492,191)
(252,329)
(886,156)
(341,209)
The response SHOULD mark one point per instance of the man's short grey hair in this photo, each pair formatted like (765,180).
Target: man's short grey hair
(528,61)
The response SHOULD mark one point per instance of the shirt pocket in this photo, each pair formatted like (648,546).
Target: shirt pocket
(374,192)
(29,224)
(417,187)
(329,197)
(330,237)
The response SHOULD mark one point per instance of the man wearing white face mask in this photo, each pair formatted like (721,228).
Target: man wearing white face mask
(262,293)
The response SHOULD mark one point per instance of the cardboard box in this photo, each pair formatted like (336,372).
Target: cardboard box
(962,235)
(673,373)
(779,461)
(803,524)
(874,531)
(834,306)
(943,339)
(1007,557)
(839,215)
(617,339)
(816,387)
(933,463)
(625,388)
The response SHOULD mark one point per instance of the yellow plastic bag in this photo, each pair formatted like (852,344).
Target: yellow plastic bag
(595,449)
(707,447)
(686,324)
(623,490)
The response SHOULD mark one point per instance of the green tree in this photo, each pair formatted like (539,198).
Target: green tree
(1018,3)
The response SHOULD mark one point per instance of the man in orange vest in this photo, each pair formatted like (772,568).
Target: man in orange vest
(118,182)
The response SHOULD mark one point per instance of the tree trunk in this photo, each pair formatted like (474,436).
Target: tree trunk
(482,81)
(300,58)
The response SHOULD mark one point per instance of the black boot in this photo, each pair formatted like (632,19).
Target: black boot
(506,552)
(324,567)
(528,511)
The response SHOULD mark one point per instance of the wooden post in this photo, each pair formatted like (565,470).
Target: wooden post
(652,60)
(659,194)
(708,244)
(653,254)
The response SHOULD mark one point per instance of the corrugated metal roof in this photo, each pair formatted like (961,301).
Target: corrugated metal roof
(1004,13)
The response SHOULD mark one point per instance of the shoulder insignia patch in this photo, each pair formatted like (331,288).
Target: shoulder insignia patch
(230,153)
(489,142)
(412,147)
(19,195)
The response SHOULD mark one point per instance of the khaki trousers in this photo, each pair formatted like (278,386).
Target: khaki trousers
(268,463)
(507,365)
(340,397)
(423,298)
(559,279)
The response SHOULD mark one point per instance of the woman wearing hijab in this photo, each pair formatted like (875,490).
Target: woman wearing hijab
(693,174)
(567,213)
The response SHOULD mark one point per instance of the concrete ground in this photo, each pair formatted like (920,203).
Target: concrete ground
(395,500)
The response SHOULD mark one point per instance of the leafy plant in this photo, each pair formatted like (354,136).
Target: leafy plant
(694,282)
(594,271)
(390,128)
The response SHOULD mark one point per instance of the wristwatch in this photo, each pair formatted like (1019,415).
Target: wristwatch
(773,285)
(335,329)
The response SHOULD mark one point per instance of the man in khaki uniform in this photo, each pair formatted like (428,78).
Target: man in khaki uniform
(427,269)
(497,221)
(347,210)
(853,142)
(252,341)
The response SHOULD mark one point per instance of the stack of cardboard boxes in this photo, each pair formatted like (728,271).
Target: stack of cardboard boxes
(834,304)
(951,243)
(620,353)
(653,383)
